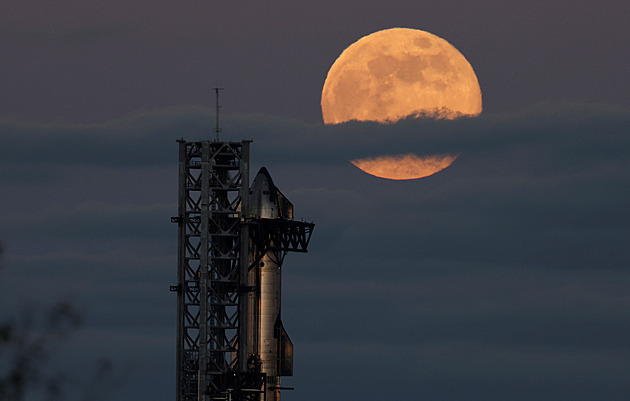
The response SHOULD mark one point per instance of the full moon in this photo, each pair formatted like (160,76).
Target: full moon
(397,73)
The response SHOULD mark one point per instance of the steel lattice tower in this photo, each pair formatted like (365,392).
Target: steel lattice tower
(213,248)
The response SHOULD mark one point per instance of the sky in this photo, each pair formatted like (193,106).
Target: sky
(504,277)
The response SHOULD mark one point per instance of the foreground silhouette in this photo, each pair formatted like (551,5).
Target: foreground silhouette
(28,339)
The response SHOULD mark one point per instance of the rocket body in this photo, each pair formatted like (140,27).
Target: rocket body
(268,342)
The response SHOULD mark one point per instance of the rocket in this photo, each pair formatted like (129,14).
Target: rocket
(270,348)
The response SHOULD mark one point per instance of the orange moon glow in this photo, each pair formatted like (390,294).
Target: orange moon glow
(404,167)
(396,73)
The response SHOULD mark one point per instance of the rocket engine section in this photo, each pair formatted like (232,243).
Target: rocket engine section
(268,341)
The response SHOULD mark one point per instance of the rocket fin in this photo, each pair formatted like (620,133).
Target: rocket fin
(285,207)
(285,351)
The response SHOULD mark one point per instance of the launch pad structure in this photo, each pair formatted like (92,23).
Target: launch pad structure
(230,341)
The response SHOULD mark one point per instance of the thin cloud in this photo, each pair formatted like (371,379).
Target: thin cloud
(563,134)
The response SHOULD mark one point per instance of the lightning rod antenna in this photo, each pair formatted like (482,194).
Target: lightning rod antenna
(217,128)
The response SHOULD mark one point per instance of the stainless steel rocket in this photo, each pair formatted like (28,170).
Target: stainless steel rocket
(270,347)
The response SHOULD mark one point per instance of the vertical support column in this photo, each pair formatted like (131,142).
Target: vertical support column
(181,278)
(188,270)
(243,301)
(203,272)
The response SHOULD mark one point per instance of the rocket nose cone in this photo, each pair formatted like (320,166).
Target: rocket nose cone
(264,173)
(265,200)
(262,196)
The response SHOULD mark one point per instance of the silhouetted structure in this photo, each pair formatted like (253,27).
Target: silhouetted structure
(231,243)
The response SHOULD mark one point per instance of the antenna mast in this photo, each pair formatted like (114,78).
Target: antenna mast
(217,128)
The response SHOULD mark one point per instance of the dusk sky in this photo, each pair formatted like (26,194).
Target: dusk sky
(504,277)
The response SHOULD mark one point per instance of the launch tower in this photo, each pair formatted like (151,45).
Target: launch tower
(230,342)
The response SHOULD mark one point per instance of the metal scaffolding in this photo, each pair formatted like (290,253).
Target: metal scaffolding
(212,259)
